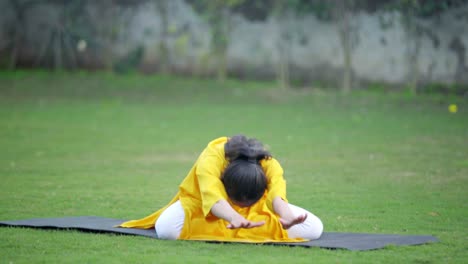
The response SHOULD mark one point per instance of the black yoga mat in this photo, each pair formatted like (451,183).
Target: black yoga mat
(330,240)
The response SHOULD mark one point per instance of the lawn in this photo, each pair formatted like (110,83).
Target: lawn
(118,146)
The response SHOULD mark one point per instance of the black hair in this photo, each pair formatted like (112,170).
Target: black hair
(244,179)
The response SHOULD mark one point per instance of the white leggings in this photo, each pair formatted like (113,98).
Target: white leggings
(170,223)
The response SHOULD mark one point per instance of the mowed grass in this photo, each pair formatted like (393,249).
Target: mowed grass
(118,146)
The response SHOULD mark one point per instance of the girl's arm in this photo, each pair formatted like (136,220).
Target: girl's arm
(223,209)
(287,218)
(277,194)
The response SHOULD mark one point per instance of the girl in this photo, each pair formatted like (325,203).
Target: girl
(234,192)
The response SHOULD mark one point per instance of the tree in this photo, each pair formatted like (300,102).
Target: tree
(164,56)
(279,12)
(218,15)
(106,27)
(18,29)
(61,37)
(347,32)
(343,13)
(411,12)
(220,24)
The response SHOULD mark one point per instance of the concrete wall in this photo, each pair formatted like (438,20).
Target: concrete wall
(381,46)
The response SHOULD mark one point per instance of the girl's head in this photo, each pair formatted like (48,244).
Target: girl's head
(244,178)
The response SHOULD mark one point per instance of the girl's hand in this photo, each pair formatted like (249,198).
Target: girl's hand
(223,210)
(241,222)
(288,223)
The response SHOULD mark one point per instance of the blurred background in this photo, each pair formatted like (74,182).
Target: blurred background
(416,45)
(106,104)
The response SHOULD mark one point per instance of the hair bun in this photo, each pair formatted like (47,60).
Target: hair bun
(240,147)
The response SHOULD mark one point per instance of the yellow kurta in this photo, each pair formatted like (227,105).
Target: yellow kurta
(203,187)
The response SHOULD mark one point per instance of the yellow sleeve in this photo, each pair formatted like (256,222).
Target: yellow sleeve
(208,171)
(276,183)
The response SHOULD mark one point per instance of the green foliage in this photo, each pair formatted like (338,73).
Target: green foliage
(446,89)
(181,43)
(211,9)
(130,62)
(422,8)
(321,9)
(118,146)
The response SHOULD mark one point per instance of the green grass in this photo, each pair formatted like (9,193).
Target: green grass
(118,146)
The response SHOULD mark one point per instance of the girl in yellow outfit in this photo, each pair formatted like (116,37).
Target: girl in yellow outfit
(235,191)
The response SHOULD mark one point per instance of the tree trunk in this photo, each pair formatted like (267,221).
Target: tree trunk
(14,52)
(18,29)
(222,66)
(283,72)
(68,49)
(57,51)
(345,31)
(43,49)
(347,75)
(221,39)
(414,45)
(106,32)
(282,64)
(163,9)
